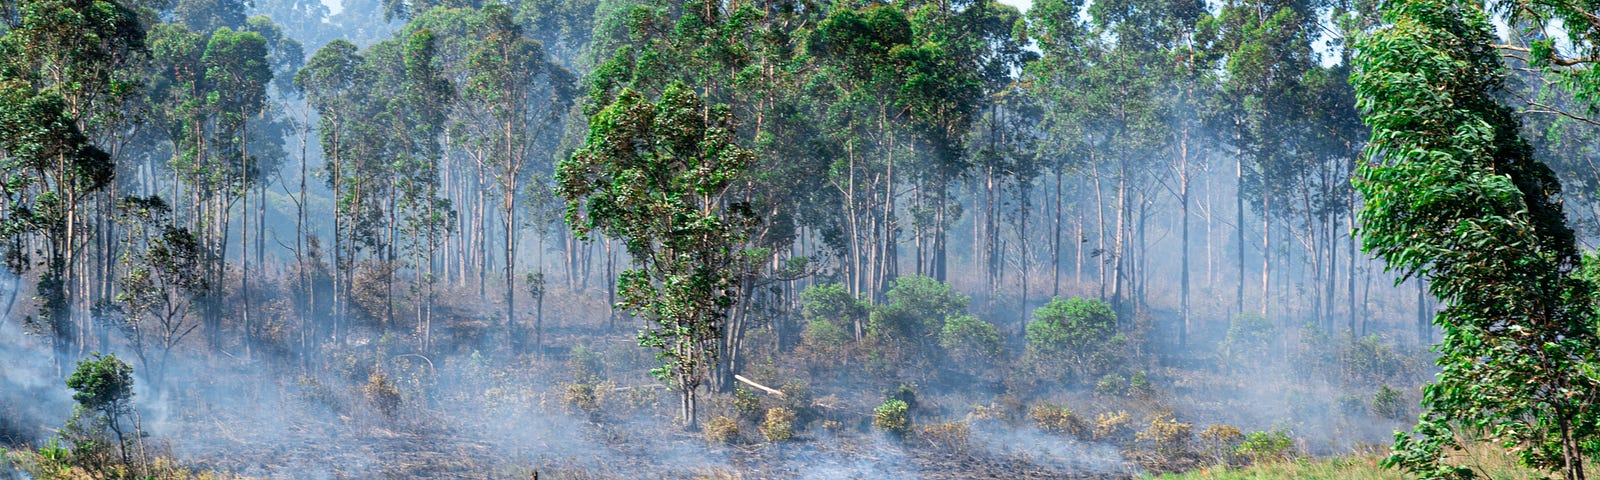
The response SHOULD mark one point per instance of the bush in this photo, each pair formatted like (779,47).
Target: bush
(1111,385)
(1388,403)
(1352,405)
(1113,427)
(894,416)
(722,430)
(584,364)
(971,342)
(1169,436)
(1076,332)
(382,394)
(1218,441)
(1272,445)
(1056,419)
(914,310)
(1247,343)
(1139,386)
(779,424)
(582,396)
(746,404)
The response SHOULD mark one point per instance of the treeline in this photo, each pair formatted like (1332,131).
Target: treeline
(174,168)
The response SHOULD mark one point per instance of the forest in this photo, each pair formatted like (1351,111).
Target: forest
(593,239)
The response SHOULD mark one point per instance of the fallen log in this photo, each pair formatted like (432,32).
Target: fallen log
(752,383)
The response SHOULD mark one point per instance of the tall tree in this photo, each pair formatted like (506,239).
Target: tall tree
(60,78)
(1453,195)
(659,176)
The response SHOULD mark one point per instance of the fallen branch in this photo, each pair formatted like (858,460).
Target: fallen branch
(752,383)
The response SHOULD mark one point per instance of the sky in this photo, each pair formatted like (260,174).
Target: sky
(1020,4)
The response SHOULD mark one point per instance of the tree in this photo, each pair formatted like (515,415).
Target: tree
(1453,195)
(104,386)
(522,95)
(163,276)
(61,76)
(658,176)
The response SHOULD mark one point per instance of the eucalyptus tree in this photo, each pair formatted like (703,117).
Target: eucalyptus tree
(661,176)
(237,74)
(162,279)
(328,81)
(1265,50)
(521,97)
(1452,193)
(60,77)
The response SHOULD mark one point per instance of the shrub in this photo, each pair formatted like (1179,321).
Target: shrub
(1271,445)
(382,394)
(746,404)
(1139,386)
(1111,385)
(584,364)
(914,310)
(1113,427)
(1169,436)
(722,430)
(1073,332)
(1368,360)
(1056,419)
(893,416)
(1246,345)
(971,342)
(1352,405)
(779,424)
(1218,441)
(1388,403)
(582,397)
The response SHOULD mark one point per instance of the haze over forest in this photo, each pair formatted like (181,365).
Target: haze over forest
(779,239)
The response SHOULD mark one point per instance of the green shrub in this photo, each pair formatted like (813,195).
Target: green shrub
(894,416)
(1352,405)
(914,310)
(746,404)
(971,342)
(1079,334)
(1271,445)
(1112,385)
(1247,343)
(1139,386)
(585,365)
(1389,403)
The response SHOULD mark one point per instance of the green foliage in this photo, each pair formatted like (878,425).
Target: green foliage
(831,303)
(1139,385)
(585,365)
(915,309)
(893,416)
(778,425)
(1389,403)
(971,342)
(746,404)
(1077,333)
(103,384)
(1452,193)
(1266,446)
(1111,385)
(1248,342)
(672,204)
